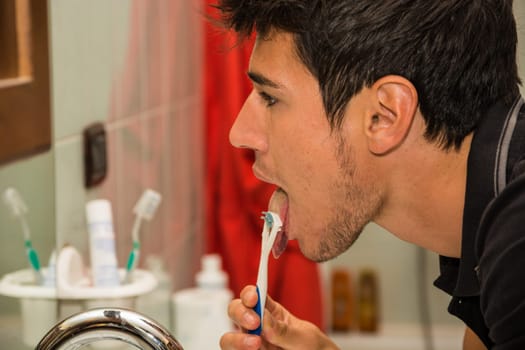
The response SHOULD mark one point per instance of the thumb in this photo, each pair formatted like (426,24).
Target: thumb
(278,325)
(287,332)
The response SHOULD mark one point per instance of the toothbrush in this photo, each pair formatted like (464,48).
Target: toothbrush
(18,208)
(272,225)
(144,209)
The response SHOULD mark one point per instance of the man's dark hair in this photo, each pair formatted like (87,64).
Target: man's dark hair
(460,55)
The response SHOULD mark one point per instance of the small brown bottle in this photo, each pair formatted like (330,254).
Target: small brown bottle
(368,308)
(342,301)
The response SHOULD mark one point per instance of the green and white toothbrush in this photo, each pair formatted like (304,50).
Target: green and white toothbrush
(14,201)
(144,210)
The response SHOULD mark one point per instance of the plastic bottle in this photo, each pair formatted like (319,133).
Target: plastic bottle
(103,257)
(50,275)
(368,301)
(342,301)
(201,313)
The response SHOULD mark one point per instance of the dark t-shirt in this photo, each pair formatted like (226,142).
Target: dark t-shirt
(501,247)
(488,283)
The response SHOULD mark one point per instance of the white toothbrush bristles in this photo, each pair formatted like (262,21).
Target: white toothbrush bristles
(14,201)
(147,204)
(144,210)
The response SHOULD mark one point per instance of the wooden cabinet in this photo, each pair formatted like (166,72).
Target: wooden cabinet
(25,106)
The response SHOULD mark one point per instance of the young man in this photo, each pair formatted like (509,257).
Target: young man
(405,113)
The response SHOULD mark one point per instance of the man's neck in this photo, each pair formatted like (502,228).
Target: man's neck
(428,195)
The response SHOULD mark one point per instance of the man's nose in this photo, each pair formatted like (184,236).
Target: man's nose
(248,129)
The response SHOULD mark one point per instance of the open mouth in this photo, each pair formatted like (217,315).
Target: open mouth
(279,204)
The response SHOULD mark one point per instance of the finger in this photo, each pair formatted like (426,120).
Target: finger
(243,316)
(283,330)
(241,310)
(249,296)
(275,321)
(279,333)
(273,306)
(240,341)
(288,332)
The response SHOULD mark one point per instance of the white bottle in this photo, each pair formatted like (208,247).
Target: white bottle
(50,275)
(201,314)
(104,269)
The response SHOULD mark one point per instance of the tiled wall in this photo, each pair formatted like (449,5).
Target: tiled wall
(135,66)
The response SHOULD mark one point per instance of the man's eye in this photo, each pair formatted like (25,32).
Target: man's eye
(269,100)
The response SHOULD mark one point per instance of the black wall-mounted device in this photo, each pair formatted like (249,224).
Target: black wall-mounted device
(95,155)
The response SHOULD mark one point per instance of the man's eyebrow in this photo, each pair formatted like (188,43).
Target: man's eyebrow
(262,80)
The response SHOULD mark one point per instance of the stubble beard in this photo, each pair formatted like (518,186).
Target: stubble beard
(357,203)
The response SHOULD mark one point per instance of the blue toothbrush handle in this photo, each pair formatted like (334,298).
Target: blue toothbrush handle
(257,308)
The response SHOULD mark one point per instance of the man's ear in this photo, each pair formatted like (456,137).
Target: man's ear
(395,105)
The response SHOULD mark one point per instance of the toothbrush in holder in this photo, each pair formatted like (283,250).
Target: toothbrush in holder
(272,225)
(18,208)
(144,210)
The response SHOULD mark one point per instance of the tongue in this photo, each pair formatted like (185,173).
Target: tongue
(280,243)
(279,204)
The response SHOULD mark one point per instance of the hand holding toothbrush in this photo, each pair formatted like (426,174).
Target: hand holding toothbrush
(281,329)
(266,324)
